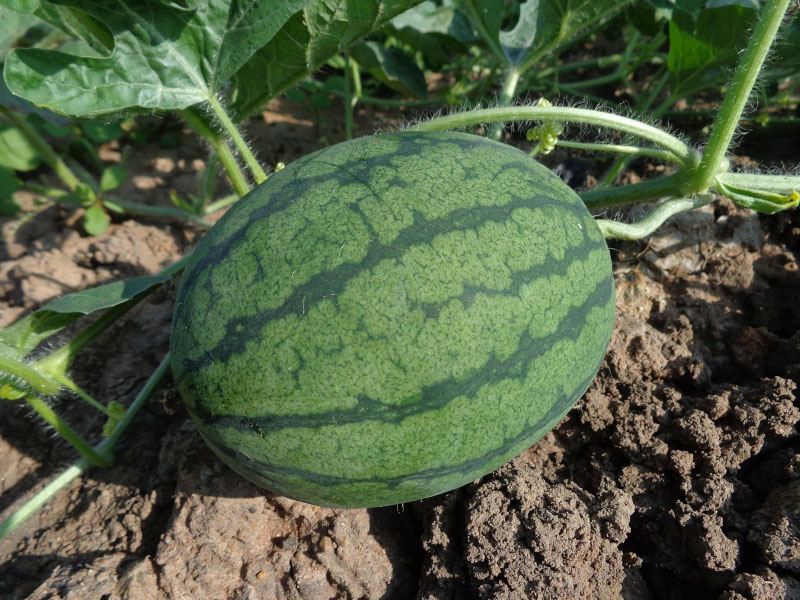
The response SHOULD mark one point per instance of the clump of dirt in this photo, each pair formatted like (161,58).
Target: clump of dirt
(676,476)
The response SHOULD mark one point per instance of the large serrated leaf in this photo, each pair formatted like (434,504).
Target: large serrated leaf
(19,339)
(391,66)
(438,31)
(307,40)
(541,27)
(699,48)
(164,56)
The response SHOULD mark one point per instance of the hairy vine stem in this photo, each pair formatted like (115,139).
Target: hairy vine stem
(733,105)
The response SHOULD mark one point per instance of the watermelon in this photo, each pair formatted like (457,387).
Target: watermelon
(391,317)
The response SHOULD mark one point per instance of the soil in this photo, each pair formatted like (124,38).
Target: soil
(676,476)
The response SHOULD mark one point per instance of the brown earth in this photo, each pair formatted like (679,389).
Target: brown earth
(676,476)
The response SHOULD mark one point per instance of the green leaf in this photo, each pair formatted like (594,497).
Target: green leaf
(9,207)
(787,46)
(439,32)
(541,27)
(96,220)
(78,24)
(55,128)
(391,66)
(12,27)
(165,56)
(101,133)
(698,49)
(305,43)
(19,339)
(295,95)
(84,151)
(8,184)
(25,7)
(113,177)
(16,152)
(320,100)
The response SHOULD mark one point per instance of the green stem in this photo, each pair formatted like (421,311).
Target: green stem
(98,458)
(220,204)
(564,114)
(505,98)
(780,184)
(43,190)
(35,379)
(226,157)
(664,155)
(238,141)
(44,149)
(19,516)
(133,208)
(652,189)
(635,231)
(208,183)
(623,161)
(106,446)
(71,385)
(733,105)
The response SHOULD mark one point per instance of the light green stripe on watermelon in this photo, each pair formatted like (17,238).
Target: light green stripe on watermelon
(391,317)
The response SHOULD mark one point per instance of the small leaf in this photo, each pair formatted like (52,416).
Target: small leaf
(391,66)
(767,203)
(8,184)
(335,83)
(53,128)
(116,410)
(101,133)
(19,339)
(109,427)
(320,100)
(113,177)
(16,152)
(96,220)
(295,95)
(82,150)
(9,207)
(439,32)
(180,202)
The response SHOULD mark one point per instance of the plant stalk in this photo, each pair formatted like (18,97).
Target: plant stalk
(656,218)
(238,141)
(652,189)
(733,105)
(564,114)
(664,155)
(506,97)
(95,456)
(35,379)
(226,157)
(78,468)
(44,149)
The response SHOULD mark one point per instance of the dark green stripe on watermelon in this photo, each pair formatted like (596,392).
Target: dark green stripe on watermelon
(392,317)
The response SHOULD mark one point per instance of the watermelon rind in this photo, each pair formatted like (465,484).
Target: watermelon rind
(391,317)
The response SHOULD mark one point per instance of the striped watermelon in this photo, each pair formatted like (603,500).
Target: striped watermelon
(391,317)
